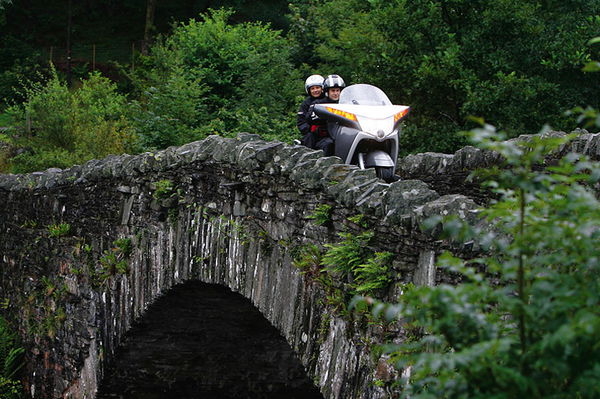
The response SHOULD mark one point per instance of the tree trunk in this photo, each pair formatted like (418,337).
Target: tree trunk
(150,8)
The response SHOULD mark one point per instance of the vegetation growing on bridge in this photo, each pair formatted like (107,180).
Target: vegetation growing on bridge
(58,229)
(346,268)
(322,214)
(163,189)
(115,260)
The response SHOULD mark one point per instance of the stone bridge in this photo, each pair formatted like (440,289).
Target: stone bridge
(85,251)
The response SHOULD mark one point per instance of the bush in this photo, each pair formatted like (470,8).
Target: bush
(170,108)
(60,127)
(11,362)
(212,77)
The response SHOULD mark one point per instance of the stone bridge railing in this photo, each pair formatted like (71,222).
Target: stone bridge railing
(448,173)
(85,250)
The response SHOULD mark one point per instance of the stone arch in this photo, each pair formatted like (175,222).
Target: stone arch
(203,340)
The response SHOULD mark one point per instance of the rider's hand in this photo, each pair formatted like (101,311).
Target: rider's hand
(311,113)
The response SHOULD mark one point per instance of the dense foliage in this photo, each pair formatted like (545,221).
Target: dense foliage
(63,127)
(207,77)
(525,321)
(102,32)
(518,64)
(212,77)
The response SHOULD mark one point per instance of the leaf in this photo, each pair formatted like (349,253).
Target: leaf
(594,40)
(592,66)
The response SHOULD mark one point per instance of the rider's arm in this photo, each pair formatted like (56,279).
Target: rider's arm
(301,121)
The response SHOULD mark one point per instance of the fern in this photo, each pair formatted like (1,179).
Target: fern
(11,361)
(348,254)
(374,274)
(308,259)
(322,214)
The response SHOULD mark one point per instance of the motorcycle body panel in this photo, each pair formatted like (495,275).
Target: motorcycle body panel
(378,158)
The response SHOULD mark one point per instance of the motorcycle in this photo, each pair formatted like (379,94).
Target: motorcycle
(365,127)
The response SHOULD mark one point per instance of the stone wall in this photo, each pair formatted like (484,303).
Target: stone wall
(227,211)
(448,173)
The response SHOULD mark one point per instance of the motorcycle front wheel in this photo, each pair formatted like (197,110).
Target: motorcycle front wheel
(385,172)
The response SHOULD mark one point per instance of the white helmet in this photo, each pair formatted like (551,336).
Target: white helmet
(313,80)
(333,81)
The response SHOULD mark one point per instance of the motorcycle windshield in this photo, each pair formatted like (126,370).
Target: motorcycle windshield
(364,94)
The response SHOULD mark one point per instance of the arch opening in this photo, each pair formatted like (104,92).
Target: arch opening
(204,341)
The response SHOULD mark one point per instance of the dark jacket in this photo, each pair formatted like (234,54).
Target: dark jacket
(326,100)
(317,136)
(313,120)
(303,119)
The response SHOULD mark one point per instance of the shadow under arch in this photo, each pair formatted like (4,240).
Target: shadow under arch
(204,341)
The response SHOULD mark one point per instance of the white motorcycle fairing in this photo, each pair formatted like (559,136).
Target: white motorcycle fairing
(371,118)
(365,127)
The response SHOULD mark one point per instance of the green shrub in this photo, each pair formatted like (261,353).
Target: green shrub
(59,229)
(516,63)
(170,109)
(59,127)
(115,260)
(529,326)
(164,189)
(213,77)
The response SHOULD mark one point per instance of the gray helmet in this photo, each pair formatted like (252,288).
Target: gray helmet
(333,81)
(313,80)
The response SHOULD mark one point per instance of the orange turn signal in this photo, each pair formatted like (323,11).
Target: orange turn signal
(400,115)
(344,114)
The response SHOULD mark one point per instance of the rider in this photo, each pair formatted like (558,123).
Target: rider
(314,89)
(332,86)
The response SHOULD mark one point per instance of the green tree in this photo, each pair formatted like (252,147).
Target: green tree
(60,127)
(18,60)
(515,62)
(169,109)
(234,78)
(524,322)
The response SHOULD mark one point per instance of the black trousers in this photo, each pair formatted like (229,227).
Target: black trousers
(315,142)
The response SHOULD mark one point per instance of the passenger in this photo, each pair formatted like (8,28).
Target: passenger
(332,86)
(314,89)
